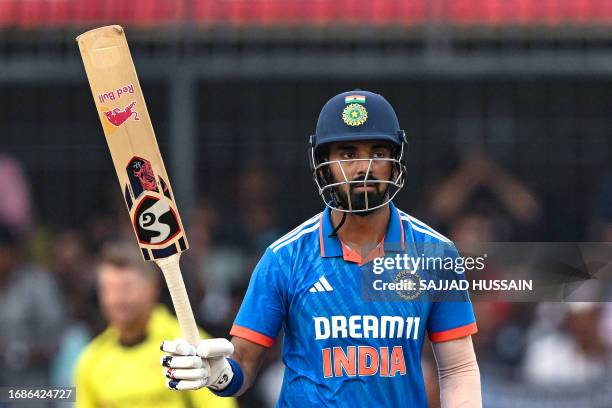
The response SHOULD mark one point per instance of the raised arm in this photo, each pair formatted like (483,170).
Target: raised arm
(249,356)
(229,368)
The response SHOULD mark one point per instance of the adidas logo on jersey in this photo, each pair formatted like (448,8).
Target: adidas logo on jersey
(322,285)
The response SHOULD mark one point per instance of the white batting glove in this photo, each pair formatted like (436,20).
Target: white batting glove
(189,368)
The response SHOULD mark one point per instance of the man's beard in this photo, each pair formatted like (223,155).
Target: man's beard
(358,198)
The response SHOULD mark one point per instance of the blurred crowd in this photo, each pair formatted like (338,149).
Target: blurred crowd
(541,354)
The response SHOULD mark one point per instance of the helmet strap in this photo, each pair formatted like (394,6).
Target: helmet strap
(337,227)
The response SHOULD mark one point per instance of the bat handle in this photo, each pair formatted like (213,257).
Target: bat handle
(172,273)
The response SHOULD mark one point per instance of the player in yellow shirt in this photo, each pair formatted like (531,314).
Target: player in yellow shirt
(118,368)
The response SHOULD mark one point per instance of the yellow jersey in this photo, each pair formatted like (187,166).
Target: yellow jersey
(109,375)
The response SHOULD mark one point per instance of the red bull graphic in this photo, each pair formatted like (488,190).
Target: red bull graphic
(118,116)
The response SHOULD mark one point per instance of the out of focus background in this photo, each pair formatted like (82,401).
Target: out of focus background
(507,106)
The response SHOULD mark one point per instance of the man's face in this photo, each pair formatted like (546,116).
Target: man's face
(357,170)
(126,296)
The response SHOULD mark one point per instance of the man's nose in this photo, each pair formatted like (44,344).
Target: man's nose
(362,168)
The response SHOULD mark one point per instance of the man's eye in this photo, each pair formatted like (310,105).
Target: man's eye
(380,155)
(348,155)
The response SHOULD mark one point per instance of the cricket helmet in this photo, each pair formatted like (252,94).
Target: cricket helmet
(356,116)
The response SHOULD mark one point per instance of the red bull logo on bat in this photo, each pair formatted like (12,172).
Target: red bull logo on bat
(118,93)
(118,116)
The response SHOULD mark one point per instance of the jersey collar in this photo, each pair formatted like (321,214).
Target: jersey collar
(333,247)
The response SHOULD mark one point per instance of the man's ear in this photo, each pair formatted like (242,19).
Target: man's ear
(324,153)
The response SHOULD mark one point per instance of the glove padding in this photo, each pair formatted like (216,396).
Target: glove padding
(189,368)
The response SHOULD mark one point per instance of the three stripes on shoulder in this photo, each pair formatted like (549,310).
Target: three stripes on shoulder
(306,227)
(322,285)
(420,226)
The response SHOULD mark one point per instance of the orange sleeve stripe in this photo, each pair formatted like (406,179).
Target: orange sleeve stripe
(453,334)
(252,335)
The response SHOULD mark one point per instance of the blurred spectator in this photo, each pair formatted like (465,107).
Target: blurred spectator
(218,267)
(31,314)
(504,209)
(15,201)
(601,225)
(574,352)
(472,227)
(129,347)
(501,325)
(111,222)
(606,324)
(71,266)
(219,264)
(253,225)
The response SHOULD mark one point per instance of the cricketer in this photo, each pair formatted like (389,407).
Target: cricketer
(339,349)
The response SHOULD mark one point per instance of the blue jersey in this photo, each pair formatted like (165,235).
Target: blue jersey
(339,349)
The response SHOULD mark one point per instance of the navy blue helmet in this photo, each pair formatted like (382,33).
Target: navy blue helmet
(356,116)
(378,123)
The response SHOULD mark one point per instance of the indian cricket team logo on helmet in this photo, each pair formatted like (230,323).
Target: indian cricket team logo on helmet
(354,114)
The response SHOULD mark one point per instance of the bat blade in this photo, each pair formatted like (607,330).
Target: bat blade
(131,140)
(142,175)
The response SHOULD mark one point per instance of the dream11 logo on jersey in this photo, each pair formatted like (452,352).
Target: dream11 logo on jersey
(361,361)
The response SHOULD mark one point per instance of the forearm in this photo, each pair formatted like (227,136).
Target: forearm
(459,374)
(461,389)
(248,371)
(249,357)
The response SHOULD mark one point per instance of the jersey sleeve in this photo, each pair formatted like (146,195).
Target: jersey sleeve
(452,317)
(263,308)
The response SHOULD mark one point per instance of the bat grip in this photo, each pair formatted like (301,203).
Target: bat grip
(172,273)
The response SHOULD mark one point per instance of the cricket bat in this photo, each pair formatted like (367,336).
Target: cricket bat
(140,168)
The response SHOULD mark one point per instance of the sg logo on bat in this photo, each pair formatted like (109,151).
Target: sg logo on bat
(155,221)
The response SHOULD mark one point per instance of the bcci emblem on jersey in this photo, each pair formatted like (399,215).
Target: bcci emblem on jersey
(408,284)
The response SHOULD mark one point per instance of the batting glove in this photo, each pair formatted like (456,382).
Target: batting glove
(189,368)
